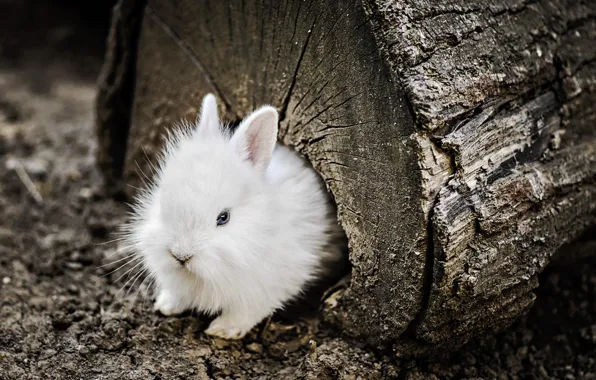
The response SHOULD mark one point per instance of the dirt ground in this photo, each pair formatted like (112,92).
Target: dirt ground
(68,312)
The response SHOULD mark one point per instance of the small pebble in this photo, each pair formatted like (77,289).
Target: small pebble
(255,347)
(74,175)
(36,166)
(74,266)
(72,289)
(11,164)
(83,350)
(85,193)
(75,256)
(6,280)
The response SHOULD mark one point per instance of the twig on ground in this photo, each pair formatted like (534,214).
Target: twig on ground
(15,164)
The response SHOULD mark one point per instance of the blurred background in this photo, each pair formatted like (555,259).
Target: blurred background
(42,32)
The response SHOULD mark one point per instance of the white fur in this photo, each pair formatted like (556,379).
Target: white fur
(281,223)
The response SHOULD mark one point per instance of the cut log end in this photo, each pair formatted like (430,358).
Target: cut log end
(319,66)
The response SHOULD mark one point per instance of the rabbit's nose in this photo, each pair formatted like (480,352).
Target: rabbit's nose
(180,258)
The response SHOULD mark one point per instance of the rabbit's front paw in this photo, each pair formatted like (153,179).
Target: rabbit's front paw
(228,327)
(167,304)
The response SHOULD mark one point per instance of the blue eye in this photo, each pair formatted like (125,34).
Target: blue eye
(223,218)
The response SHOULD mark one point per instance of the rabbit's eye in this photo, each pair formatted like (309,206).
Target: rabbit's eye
(223,218)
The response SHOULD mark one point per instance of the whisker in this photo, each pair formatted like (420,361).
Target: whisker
(151,166)
(116,261)
(134,187)
(119,250)
(148,287)
(126,283)
(136,277)
(128,271)
(109,241)
(151,284)
(140,289)
(129,247)
(122,266)
(142,173)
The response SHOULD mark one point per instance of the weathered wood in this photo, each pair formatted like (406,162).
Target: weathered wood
(504,101)
(115,90)
(458,138)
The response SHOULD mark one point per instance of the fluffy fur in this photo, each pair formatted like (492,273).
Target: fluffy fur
(281,228)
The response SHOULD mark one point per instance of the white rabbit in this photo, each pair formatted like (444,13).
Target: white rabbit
(233,222)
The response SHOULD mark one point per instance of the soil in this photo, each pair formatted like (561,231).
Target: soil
(67,311)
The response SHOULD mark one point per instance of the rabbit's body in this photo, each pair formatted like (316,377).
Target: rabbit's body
(234,223)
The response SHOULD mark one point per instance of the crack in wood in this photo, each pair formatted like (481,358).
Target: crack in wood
(191,55)
(286,101)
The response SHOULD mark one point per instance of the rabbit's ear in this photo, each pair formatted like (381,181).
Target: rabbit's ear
(209,118)
(256,136)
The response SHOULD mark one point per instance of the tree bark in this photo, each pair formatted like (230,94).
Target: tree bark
(115,87)
(457,139)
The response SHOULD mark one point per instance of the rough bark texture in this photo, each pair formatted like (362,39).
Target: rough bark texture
(457,138)
(116,84)
(503,96)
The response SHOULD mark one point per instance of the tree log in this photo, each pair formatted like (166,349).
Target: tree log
(458,139)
